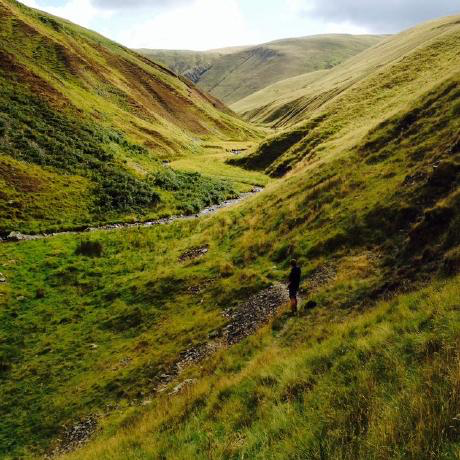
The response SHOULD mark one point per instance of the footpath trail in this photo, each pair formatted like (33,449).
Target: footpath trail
(15,237)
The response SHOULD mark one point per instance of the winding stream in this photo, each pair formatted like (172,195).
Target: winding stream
(15,237)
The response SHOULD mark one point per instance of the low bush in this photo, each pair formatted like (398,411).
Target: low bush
(89,249)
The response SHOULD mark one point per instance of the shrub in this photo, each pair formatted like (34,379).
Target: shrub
(89,249)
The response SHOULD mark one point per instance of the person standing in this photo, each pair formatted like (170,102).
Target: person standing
(293,285)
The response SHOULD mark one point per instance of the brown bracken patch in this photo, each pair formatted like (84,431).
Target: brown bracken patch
(20,181)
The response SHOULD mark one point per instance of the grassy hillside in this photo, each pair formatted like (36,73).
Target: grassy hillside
(190,64)
(371,373)
(338,108)
(233,74)
(287,102)
(381,385)
(91,323)
(86,124)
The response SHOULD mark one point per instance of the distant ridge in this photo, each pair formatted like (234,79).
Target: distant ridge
(328,110)
(233,73)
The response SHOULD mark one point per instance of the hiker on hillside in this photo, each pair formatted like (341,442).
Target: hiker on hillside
(293,285)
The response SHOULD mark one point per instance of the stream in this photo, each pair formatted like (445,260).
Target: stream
(15,237)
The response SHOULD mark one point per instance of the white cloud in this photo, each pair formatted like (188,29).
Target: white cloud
(344,27)
(123,4)
(81,12)
(199,25)
(31,3)
(375,15)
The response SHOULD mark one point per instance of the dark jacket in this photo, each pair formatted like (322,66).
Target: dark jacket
(294,278)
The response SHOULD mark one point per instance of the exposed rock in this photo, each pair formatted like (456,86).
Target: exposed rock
(255,312)
(178,388)
(215,334)
(321,276)
(243,321)
(16,236)
(2,278)
(76,436)
(194,253)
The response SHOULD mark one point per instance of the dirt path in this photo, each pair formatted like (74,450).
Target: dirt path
(15,237)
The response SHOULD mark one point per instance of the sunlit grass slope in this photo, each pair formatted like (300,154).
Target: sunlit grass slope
(359,377)
(235,73)
(423,49)
(371,373)
(88,335)
(94,119)
(338,108)
(381,385)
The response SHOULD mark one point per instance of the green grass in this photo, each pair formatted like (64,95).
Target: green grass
(370,84)
(76,104)
(371,209)
(141,307)
(81,334)
(378,386)
(356,97)
(214,163)
(234,74)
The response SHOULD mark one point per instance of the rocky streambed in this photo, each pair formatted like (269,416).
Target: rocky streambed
(243,321)
(15,237)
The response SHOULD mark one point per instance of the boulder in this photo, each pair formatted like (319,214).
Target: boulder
(16,236)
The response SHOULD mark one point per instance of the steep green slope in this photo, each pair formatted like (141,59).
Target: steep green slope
(234,74)
(94,119)
(91,335)
(358,377)
(339,107)
(381,385)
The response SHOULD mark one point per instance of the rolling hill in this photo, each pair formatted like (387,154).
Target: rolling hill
(323,112)
(121,354)
(190,64)
(234,73)
(85,125)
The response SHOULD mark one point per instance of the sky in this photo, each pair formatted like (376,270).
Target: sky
(210,24)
